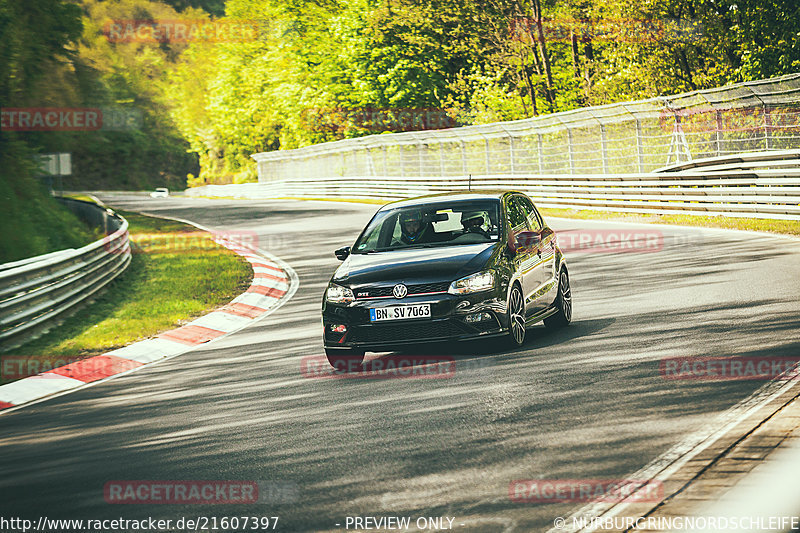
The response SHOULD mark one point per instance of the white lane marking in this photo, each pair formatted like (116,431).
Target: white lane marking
(149,350)
(256,300)
(221,321)
(33,387)
(272,283)
(265,270)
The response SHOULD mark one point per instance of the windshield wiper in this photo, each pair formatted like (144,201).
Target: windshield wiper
(405,247)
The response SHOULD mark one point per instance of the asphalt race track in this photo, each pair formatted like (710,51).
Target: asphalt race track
(586,402)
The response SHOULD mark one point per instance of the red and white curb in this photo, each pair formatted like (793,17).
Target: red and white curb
(274,283)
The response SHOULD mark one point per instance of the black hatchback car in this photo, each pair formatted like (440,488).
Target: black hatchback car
(453,267)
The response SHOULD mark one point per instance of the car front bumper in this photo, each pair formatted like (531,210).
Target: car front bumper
(448,321)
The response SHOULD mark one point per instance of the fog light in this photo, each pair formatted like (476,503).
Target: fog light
(338,328)
(477,317)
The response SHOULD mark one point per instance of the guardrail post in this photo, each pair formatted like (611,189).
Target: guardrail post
(488,166)
(604,147)
(539,152)
(571,151)
(463,158)
(767,128)
(400,155)
(385,161)
(639,147)
(718,132)
(419,157)
(373,165)
(511,152)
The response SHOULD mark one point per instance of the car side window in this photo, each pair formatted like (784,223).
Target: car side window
(534,224)
(516,216)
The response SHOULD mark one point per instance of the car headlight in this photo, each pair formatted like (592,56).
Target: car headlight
(482,281)
(339,295)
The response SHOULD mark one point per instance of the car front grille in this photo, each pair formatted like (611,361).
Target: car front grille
(406,332)
(420,288)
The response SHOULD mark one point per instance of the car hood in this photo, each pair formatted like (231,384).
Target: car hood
(445,263)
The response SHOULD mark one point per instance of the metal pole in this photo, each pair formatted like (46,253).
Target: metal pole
(718,132)
(419,156)
(540,150)
(571,151)
(463,157)
(604,147)
(511,152)
(400,155)
(767,127)
(486,144)
(639,147)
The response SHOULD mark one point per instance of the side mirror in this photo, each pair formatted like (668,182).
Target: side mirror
(523,239)
(528,239)
(342,253)
(546,232)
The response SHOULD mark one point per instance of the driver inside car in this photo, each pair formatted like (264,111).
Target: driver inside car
(413,229)
(474,222)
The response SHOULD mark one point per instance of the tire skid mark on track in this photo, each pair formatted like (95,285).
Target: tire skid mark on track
(274,283)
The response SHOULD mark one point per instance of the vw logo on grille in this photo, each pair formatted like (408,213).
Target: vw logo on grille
(400,291)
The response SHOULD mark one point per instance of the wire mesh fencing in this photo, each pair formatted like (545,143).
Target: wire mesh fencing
(631,137)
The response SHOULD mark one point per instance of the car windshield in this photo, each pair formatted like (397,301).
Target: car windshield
(428,225)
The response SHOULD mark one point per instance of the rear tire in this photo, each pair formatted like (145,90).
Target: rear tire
(563,303)
(516,317)
(345,360)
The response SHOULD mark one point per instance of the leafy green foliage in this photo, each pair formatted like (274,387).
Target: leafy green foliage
(34,222)
(315,64)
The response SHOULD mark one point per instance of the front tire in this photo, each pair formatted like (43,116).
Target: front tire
(516,317)
(345,360)
(563,303)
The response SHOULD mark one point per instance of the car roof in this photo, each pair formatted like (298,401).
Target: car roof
(449,196)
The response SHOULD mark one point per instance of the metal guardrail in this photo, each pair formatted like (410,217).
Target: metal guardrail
(36,292)
(625,138)
(758,191)
(752,160)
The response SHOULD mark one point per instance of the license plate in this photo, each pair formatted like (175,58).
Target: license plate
(399,312)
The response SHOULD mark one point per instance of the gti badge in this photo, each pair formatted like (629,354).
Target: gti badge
(400,291)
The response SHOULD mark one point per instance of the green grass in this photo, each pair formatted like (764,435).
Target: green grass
(83,197)
(34,223)
(788,227)
(176,274)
